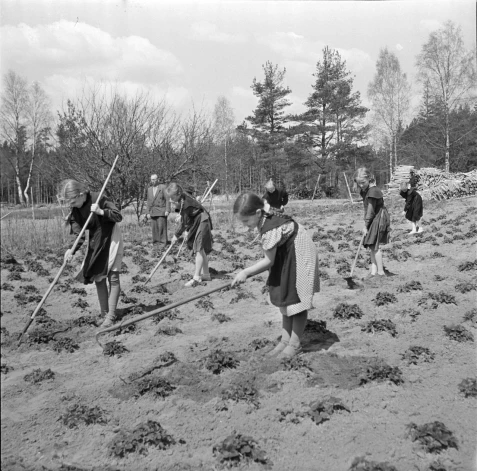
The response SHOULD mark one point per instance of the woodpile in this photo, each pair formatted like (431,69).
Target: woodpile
(437,184)
(434,183)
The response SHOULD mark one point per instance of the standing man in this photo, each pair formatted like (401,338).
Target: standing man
(158,208)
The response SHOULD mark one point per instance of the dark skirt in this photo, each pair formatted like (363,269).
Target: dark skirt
(378,232)
(200,236)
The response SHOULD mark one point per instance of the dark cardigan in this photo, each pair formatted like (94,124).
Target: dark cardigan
(276,199)
(100,231)
(413,206)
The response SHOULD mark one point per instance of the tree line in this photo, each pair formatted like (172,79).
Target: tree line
(334,134)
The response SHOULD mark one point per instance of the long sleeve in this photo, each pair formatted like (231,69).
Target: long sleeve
(149,201)
(75,229)
(370,212)
(168,202)
(111,213)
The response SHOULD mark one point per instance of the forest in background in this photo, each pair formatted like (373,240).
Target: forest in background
(335,135)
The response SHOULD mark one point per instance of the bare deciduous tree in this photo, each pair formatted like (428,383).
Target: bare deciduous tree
(450,72)
(389,93)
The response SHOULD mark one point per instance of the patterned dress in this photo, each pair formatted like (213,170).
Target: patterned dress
(306,279)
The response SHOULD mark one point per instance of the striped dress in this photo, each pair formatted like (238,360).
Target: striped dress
(307,271)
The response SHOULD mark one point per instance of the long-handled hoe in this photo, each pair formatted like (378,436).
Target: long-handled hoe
(162,309)
(60,271)
(158,263)
(351,283)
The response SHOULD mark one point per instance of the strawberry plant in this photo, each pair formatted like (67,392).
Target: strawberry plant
(362,464)
(380,325)
(412,313)
(169,330)
(7,287)
(467,266)
(14,276)
(83,321)
(140,289)
(65,344)
(241,294)
(258,344)
(465,287)
(138,279)
(4,368)
(320,411)
(381,372)
(37,376)
(347,311)
(239,449)
(81,414)
(81,303)
(220,318)
(471,316)
(383,298)
(129,329)
(79,291)
(415,354)
(296,363)
(205,303)
(154,385)
(165,315)
(318,327)
(218,360)
(468,387)
(436,255)
(147,434)
(458,333)
(128,299)
(114,348)
(434,437)
(241,393)
(410,286)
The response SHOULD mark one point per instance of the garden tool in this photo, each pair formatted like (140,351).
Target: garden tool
(6,215)
(158,263)
(125,323)
(352,284)
(55,280)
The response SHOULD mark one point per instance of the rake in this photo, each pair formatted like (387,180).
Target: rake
(349,279)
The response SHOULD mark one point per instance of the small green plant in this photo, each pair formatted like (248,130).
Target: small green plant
(321,411)
(383,298)
(362,464)
(458,333)
(81,414)
(220,318)
(145,435)
(205,303)
(347,311)
(37,376)
(297,363)
(81,303)
(465,287)
(169,330)
(410,286)
(239,449)
(415,354)
(83,321)
(4,368)
(154,385)
(434,437)
(380,325)
(171,315)
(241,393)
(241,295)
(412,313)
(258,344)
(471,316)
(114,348)
(381,372)
(467,266)
(65,344)
(218,361)
(468,387)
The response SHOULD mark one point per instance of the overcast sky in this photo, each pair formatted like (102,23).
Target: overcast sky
(193,52)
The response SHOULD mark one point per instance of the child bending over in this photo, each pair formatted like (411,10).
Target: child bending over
(292,259)
(196,226)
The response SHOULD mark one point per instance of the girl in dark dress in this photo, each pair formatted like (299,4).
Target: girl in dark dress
(413,207)
(105,249)
(376,219)
(292,259)
(196,226)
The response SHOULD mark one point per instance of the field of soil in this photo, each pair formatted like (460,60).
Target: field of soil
(387,379)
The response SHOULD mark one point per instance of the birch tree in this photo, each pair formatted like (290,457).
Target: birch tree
(450,72)
(389,94)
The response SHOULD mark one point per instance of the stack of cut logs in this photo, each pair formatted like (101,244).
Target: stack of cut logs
(402,173)
(437,184)
(434,183)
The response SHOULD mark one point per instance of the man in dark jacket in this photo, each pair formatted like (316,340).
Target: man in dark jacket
(275,198)
(158,208)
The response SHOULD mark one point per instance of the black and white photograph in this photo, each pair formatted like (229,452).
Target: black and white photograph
(238,234)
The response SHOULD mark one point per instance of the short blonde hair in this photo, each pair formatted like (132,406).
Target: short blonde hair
(365,174)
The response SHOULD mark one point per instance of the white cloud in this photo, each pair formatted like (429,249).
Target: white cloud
(242,92)
(429,25)
(205,31)
(78,49)
(300,50)
(399,47)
